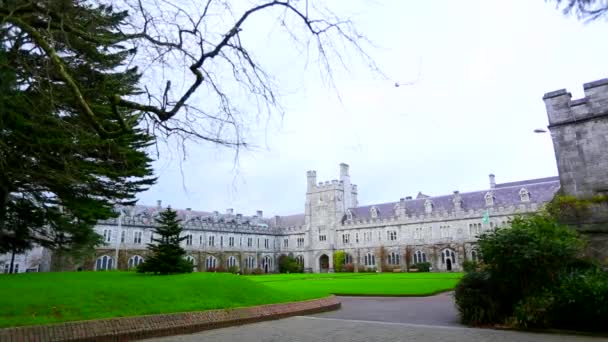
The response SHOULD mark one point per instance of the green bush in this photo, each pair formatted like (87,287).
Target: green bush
(233,269)
(289,264)
(470,266)
(528,256)
(339,259)
(532,276)
(475,296)
(423,266)
(581,301)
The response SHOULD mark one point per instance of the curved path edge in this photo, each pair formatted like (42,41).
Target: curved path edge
(140,327)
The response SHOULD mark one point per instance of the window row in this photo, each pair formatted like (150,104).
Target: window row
(189,239)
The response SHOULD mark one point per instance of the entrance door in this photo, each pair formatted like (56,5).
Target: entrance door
(324,263)
(448,264)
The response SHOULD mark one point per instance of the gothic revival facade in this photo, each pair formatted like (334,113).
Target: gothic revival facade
(440,230)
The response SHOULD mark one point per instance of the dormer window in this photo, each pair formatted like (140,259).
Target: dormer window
(373,211)
(396,209)
(489,199)
(349,215)
(524,195)
(428,206)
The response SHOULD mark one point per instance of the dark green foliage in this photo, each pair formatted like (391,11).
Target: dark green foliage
(233,269)
(339,258)
(532,275)
(288,264)
(167,256)
(584,293)
(476,299)
(53,160)
(470,266)
(423,266)
(528,255)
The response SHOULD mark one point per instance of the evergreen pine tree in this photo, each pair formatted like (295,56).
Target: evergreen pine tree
(167,255)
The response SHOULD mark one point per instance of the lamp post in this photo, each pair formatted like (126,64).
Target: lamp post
(118,236)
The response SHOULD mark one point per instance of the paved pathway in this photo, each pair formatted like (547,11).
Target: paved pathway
(435,310)
(306,328)
(371,319)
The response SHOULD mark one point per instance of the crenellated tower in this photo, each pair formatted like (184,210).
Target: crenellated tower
(326,202)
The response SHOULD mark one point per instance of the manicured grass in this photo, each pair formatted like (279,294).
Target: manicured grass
(376,284)
(41,298)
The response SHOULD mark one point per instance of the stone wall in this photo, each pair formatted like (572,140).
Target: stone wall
(579,129)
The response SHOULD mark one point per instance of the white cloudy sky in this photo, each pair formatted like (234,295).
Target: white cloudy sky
(482,67)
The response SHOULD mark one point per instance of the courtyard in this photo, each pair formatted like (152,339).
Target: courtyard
(62,297)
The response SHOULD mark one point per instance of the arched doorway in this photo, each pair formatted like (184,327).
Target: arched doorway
(324,263)
(448,258)
(267,264)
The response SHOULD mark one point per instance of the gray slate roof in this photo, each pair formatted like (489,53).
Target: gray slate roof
(541,190)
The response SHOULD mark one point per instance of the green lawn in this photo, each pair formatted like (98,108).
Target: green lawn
(40,298)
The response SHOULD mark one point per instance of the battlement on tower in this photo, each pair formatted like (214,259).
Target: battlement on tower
(562,109)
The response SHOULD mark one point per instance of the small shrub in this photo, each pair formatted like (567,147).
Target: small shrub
(533,311)
(257,271)
(220,268)
(348,268)
(470,266)
(233,269)
(339,258)
(210,269)
(423,266)
(476,300)
(289,264)
(360,268)
(581,301)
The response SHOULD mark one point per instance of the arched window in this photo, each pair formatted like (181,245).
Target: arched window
(250,262)
(211,263)
(393,258)
(474,256)
(104,263)
(267,264)
(524,195)
(448,258)
(231,262)
(300,259)
(135,260)
(369,260)
(348,259)
(419,257)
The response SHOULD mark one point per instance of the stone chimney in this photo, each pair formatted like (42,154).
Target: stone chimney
(311,177)
(159,204)
(229,211)
(492,181)
(259,213)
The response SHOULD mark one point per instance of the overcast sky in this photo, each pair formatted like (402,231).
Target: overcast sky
(481,69)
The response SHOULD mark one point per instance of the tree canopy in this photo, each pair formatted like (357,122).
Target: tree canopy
(58,174)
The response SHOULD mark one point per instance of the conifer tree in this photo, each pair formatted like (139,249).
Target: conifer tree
(168,257)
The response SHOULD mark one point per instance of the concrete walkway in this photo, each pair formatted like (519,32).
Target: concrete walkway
(435,310)
(306,328)
(364,319)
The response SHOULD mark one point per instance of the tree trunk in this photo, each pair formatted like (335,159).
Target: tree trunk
(10,270)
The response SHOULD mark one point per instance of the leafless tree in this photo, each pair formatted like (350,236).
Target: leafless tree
(200,77)
(585,9)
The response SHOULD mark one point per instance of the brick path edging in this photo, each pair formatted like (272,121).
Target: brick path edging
(140,327)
